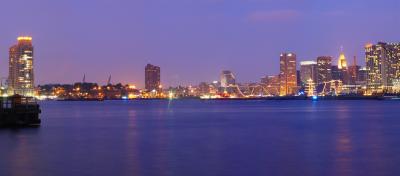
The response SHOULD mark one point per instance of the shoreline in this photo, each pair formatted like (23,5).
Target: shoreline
(319,98)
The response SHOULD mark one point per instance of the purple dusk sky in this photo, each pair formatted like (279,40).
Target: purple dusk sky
(192,40)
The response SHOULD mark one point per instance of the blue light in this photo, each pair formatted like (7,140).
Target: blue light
(124,97)
(314,97)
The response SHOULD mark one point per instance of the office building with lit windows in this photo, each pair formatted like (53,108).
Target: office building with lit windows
(288,75)
(324,66)
(21,75)
(308,71)
(337,74)
(383,66)
(271,85)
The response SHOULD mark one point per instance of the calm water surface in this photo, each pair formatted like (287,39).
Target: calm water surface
(202,138)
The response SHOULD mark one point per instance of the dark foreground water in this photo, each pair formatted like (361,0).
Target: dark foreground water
(202,138)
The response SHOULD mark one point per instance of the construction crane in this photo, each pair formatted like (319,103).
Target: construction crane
(109,80)
(84,78)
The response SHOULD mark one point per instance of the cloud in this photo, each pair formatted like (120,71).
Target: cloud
(275,15)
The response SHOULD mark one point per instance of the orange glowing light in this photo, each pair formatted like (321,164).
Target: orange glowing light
(28,38)
(368,45)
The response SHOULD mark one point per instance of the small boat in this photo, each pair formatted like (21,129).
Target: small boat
(18,110)
(391,98)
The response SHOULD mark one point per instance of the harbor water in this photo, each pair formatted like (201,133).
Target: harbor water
(207,138)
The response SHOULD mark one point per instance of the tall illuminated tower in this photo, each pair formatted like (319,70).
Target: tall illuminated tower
(288,74)
(342,62)
(342,71)
(152,78)
(21,77)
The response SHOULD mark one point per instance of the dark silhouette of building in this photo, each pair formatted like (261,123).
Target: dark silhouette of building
(362,75)
(227,79)
(353,72)
(152,78)
(337,73)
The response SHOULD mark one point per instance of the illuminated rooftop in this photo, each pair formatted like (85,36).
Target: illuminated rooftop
(24,38)
(308,63)
(368,45)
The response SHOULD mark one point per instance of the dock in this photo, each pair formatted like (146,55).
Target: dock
(19,111)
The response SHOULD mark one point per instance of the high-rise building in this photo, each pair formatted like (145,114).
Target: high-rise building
(337,74)
(383,66)
(343,69)
(352,72)
(362,75)
(308,71)
(324,69)
(227,79)
(152,78)
(271,85)
(342,62)
(21,76)
(288,74)
(298,76)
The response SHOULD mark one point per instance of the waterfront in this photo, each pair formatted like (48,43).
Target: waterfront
(200,137)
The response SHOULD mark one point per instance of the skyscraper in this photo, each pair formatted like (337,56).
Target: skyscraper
(337,74)
(288,74)
(227,79)
(308,71)
(324,69)
(152,78)
(362,75)
(342,68)
(21,76)
(383,66)
(342,62)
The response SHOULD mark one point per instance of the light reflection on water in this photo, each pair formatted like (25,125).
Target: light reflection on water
(207,138)
(343,140)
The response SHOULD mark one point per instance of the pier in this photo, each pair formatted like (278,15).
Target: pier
(19,111)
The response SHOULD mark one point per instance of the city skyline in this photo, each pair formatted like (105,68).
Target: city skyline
(341,60)
(251,51)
